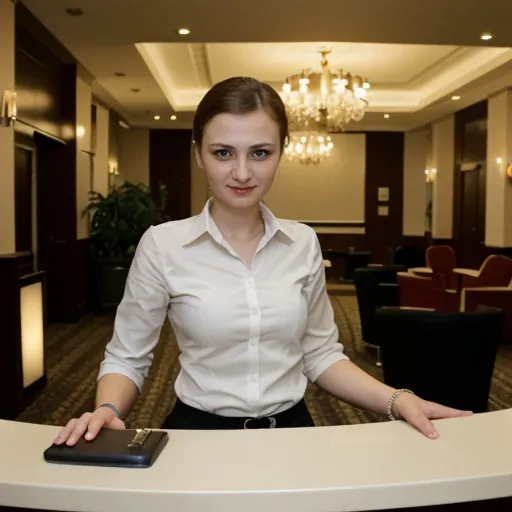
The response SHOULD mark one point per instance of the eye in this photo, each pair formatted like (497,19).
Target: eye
(261,154)
(222,154)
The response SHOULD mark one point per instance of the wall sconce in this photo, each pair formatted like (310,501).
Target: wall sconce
(8,111)
(430,175)
(112,169)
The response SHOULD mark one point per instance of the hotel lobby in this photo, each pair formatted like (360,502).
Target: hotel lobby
(406,180)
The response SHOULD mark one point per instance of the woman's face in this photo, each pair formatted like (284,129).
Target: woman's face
(240,155)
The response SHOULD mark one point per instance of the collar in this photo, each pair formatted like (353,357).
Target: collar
(204,224)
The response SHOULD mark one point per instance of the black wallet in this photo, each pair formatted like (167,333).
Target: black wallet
(115,448)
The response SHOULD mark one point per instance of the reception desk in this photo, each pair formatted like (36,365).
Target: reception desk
(382,466)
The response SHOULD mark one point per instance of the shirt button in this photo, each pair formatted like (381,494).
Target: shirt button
(253,343)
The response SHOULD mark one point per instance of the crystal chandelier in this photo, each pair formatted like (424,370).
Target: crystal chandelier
(330,99)
(308,147)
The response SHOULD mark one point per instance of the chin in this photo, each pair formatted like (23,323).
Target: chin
(243,201)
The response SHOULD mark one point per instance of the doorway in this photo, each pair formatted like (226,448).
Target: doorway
(471,249)
(53,241)
(23,199)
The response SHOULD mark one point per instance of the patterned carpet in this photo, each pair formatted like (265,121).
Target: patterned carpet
(74,353)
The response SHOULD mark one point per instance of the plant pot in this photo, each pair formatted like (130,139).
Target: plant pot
(111,281)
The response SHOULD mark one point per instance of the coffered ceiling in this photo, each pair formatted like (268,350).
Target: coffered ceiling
(417,54)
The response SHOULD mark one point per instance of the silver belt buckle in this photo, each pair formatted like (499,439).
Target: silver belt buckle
(271,421)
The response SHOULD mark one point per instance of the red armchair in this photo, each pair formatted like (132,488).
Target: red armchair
(496,270)
(442,259)
(427,292)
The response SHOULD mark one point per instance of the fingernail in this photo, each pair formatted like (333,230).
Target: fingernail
(88,436)
(433,435)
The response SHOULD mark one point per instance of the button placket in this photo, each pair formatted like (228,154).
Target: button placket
(253,393)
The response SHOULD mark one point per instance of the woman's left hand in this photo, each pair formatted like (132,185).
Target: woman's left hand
(419,412)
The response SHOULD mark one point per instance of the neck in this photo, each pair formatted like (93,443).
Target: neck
(236,222)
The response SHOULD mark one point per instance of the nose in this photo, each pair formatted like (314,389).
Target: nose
(242,172)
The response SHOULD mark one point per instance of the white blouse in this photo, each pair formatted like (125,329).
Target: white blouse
(249,337)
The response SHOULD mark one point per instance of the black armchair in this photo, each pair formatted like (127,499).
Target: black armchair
(376,287)
(444,357)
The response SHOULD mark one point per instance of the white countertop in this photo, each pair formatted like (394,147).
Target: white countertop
(323,469)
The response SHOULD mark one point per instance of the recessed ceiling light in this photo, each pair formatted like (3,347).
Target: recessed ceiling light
(173,118)
(455,98)
(386,116)
(75,11)
(486,36)
(156,118)
(183,31)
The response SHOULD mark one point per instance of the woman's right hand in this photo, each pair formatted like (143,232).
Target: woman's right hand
(88,426)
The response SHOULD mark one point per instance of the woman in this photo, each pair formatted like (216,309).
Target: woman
(245,293)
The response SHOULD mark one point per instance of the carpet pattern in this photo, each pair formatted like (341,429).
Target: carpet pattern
(74,353)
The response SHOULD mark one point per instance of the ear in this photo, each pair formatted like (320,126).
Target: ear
(197,154)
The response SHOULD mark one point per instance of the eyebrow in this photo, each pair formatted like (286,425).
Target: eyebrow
(254,146)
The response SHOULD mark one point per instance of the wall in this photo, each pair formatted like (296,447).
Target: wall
(443,157)
(133,155)
(332,191)
(417,148)
(7,48)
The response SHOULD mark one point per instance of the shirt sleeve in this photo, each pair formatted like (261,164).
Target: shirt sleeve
(321,339)
(140,315)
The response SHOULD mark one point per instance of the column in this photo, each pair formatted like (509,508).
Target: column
(7,81)
(102,162)
(498,203)
(417,146)
(443,162)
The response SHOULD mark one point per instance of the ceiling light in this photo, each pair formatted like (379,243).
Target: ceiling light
(386,116)
(75,11)
(308,147)
(455,98)
(183,31)
(328,99)
(156,118)
(173,118)
(486,37)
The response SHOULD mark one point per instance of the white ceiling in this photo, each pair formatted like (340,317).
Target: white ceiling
(416,54)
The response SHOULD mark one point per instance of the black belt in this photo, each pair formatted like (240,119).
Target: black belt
(281,419)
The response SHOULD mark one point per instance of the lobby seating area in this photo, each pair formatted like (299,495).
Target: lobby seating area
(442,286)
(71,378)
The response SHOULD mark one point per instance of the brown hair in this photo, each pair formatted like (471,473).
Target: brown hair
(239,95)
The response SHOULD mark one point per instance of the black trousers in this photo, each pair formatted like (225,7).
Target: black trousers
(185,417)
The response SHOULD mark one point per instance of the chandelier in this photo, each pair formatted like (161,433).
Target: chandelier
(308,147)
(329,99)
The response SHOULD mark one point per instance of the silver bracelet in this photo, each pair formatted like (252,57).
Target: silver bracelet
(392,399)
(112,407)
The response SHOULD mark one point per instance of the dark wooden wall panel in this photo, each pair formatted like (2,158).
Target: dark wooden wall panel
(470,146)
(169,164)
(45,76)
(384,168)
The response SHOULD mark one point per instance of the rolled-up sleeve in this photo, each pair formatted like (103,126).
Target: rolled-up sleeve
(140,315)
(320,342)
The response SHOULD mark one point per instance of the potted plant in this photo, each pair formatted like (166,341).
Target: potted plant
(117,223)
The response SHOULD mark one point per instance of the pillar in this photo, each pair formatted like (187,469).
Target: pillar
(443,162)
(7,47)
(498,204)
